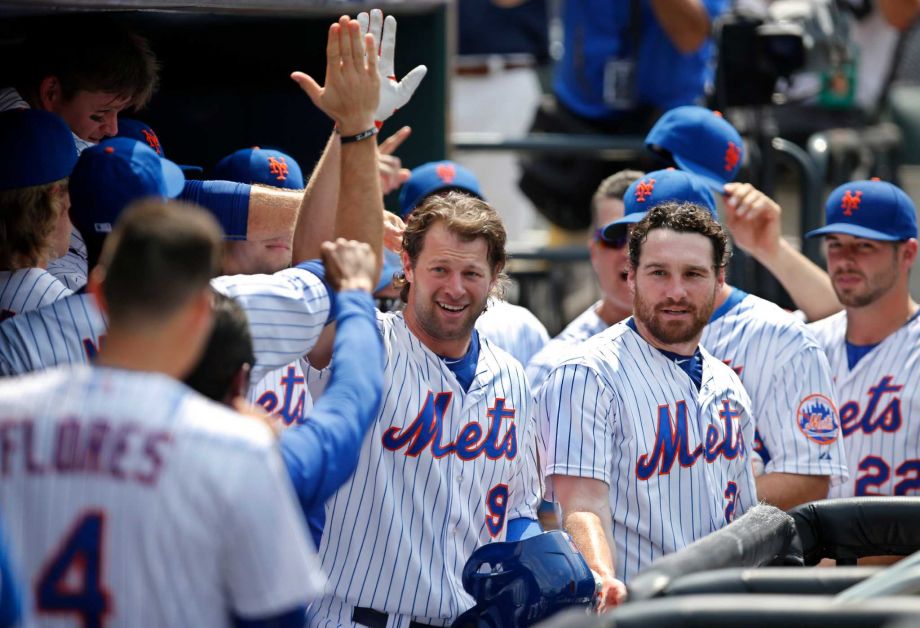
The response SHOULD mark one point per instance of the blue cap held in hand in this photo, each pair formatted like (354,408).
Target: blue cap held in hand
(700,141)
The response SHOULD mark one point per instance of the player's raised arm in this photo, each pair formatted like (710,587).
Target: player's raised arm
(753,219)
(322,452)
(350,97)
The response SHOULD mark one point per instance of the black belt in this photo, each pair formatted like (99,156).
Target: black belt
(375,619)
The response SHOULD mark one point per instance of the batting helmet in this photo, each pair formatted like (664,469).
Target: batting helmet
(521,583)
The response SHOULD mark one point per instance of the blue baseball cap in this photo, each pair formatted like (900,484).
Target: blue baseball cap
(260,165)
(111,175)
(436,176)
(875,210)
(36,147)
(392,264)
(655,188)
(700,141)
(142,132)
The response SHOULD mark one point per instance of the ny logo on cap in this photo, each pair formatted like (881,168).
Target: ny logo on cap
(851,202)
(278,167)
(446,172)
(152,141)
(732,157)
(644,189)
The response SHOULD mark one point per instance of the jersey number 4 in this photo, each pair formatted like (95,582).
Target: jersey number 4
(71,580)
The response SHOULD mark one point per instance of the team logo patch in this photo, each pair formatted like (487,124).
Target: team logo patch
(278,167)
(817,419)
(732,156)
(446,173)
(850,202)
(644,189)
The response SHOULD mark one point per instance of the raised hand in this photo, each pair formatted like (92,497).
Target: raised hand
(351,93)
(393,94)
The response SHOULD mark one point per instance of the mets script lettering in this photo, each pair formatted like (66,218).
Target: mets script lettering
(426,432)
(889,419)
(672,441)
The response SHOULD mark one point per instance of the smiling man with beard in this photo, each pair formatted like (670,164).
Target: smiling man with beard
(450,461)
(645,437)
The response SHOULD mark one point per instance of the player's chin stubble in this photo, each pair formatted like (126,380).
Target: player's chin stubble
(675,332)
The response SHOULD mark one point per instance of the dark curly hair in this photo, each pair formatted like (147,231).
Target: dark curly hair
(683,218)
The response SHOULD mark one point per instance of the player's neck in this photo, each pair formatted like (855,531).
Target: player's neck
(132,351)
(453,348)
(724,292)
(608,312)
(873,323)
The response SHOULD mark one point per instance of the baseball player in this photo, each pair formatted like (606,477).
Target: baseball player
(871,245)
(449,461)
(645,436)
(39,155)
(511,327)
(129,498)
(610,262)
(771,351)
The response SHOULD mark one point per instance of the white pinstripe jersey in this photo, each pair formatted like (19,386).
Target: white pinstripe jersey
(440,473)
(787,375)
(879,409)
(72,268)
(130,498)
(284,393)
(583,327)
(28,289)
(286,312)
(513,328)
(676,458)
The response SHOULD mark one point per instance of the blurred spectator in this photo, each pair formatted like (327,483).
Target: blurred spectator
(624,64)
(502,46)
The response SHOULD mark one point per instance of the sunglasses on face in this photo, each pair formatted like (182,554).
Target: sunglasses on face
(616,244)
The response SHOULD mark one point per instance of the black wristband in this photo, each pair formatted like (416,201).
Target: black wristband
(363,135)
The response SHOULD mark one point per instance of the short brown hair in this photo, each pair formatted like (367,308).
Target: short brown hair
(93,54)
(157,257)
(682,218)
(614,187)
(27,220)
(465,216)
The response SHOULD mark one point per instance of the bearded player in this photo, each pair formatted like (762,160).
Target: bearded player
(645,436)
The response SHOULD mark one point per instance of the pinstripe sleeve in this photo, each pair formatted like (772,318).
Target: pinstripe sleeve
(574,413)
(286,312)
(803,383)
(527,484)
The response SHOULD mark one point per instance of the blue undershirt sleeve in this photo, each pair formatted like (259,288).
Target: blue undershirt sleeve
(321,453)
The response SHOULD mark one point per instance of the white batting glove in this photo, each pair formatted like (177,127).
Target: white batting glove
(393,94)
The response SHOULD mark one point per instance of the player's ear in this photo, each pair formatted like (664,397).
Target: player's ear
(50,93)
(94,285)
(909,252)
(407,265)
(720,277)
(240,382)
